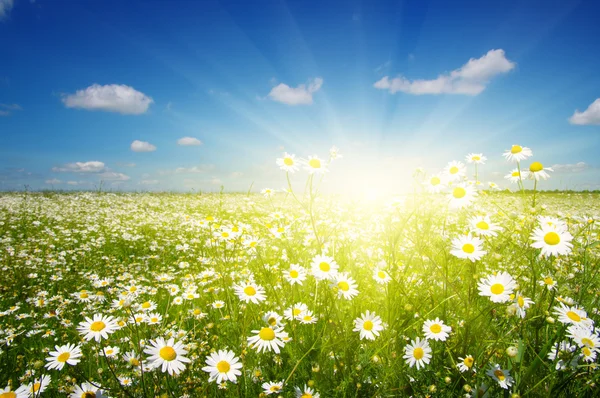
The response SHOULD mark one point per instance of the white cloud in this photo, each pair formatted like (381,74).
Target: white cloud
(53,181)
(301,95)
(203,168)
(93,166)
(142,146)
(189,141)
(590,116)
(470,79)
(111,98)
(5,7)
(8,109)
(149,182)
(571,168)
(113,176)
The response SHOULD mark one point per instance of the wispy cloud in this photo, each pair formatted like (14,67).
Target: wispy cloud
(113,176)
(189,141)
(301,95)
(571,168)
(590,116)
(92,166)
(470,79)
(142,146)
(8,109)
(5,7)
(110,98)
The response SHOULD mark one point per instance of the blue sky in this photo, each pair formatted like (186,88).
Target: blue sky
(393,84)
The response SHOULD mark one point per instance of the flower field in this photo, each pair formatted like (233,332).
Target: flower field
(457,289)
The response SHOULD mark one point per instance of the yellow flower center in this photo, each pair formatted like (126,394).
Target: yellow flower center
(315,163)
(476,158)
(497,288)
(223,367)
(9,394)
(134,362)
(146,305)
(468,248)
(368,325)
(515,174)
(499,374)
(418,353)
(435,328)
(435,181)
(587,342)
(306,395)
(343,285)
(516,149)
(296,311)
(64,357)
(288,161)
(586,351)
(552,238)
(535,167)
(167,353)
(324,266)
(381,274)
(249,290)
(266,334)
(548,281)
(83,295)
(97,326)
(468,362)
(521,301)
(294,274)
(459,192)
(482,225)
(36,386)
(225,234)
(88,394)
(574,316)
(272,321)
(307,318)
(275,388)
(132,289)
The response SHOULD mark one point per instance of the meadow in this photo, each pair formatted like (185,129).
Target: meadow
(456,289)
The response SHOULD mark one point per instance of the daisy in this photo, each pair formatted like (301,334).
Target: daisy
(368,325)
(267,339)
(223,366)
(154,318)
(132,358)
(417,352)
(20,392)
(476,158)
(110,352)
(69,354)
(537,171)
(461,196)
(436,330)
(573,316)
(435,184)
(314,165)
(98,327)
(307,318)
(563,351)
(584,337)
(288,163)
(502,376)
(267,193)
(167,355)
(306,392)
(272,318)
(493,185)
(37,387)
(515,176)
(272,387)
(465,364)
(381,276)
(455,170)
(468,247)
(521,304)
(250,292)
(483,226)
(297,310)
(334,153)
(517,153)
(553,241)
(548,282)
(295,274)
(346,286)
(87,390)
(323,267)
(588,355)
(497,287)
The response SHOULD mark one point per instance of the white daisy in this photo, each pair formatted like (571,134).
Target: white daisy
(295,274)
(476,158)
(435,184)
(295,311)
(584,337)
(381,276)
(552,240)
(307,318)
(250,292)
(465,364)
(38,385)
(323,267)
(267,339)
(517,153)
(346,286)
(417,353)
(548,282)
(461,196)
(515,176)
(502,376)
(521,304)
(483,226)
(573,316)
(98,327)
(66,354)
(455,171)
(537,171)
(436,330)
(167,355)
(223,366)
(87,390)
(468,247)
(272,387)
(497,287)
(20,392)
(288,163)
(368,325)
(314,165)
(306,392)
